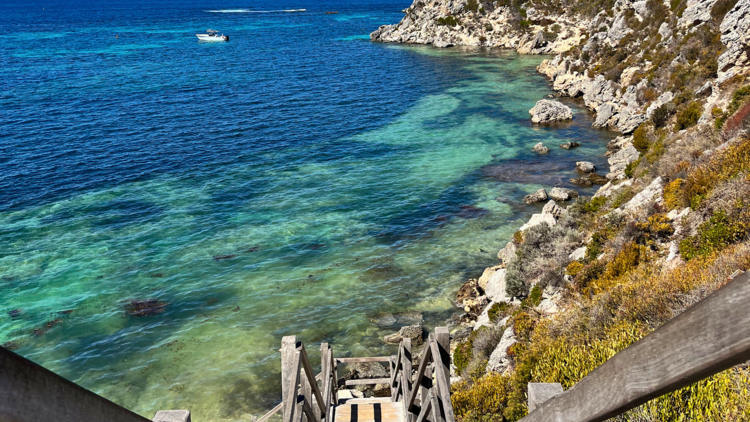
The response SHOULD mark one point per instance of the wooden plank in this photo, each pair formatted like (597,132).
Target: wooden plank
(270,413)
(325,372)
(367,381)
(393,366)
(425,385)
(394,373)
(709,337)
(539,393)
(441,355)
(307,410)
(311,380)
(406,374)
(289,376)
(437,414)
(426,408)
(363,360)
(423,364)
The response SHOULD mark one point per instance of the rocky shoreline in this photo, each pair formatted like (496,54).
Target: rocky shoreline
(642,67)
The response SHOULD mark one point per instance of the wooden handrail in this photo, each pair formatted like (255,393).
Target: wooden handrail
(434,397)
(711,336)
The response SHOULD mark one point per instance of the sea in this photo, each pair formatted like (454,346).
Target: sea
(170,209)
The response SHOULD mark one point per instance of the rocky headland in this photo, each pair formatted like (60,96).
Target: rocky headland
(670,222)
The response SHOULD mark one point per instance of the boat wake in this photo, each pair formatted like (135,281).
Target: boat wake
(255,11)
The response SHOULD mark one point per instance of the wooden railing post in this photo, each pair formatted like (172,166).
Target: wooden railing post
(406,377)
(289,375)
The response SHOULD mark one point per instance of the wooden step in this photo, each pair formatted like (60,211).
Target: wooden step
(370,412)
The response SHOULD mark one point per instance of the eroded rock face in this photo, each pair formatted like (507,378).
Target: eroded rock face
(548,111)
(696,12)
(533,198)
(735,34)
(508,253)
(620,160)
(652,193)
(500,360)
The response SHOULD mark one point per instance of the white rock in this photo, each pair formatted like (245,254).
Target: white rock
(610,188)
(697,11)
(546,111)
(674,250)
(735,34)
(620,160)
(548,307)
(540,148)
(487,275)
(663,99)
(585,167)
(537,219)
(652,193)
(578,254)
(508,253)
(500,361)
(496,287)
(484,318)
(533,198)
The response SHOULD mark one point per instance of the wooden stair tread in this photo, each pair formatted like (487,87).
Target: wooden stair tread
(370,410)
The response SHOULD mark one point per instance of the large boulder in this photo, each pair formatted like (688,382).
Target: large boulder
(500,360)
(495,290)
(547,111)
(533,198)
(487,275)
(508,253)
(696,12)
(413,332)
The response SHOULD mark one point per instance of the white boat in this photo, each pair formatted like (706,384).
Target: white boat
(212,36)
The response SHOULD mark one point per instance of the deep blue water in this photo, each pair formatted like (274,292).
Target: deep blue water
(297,179)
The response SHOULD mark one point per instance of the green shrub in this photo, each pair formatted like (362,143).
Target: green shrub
(641,141)
(472,6)
(689,116)
(573,268)
(715,234)
(595,204)
(499,311)
(674,194)
(448,21)
(662,114)
(631,167)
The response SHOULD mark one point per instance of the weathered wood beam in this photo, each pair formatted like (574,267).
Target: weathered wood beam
(711,336)
(366,381)
(364,360)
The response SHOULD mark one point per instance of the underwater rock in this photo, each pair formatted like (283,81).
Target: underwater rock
(540,148)
(253,249)
(15,314)
(388,319)
(570,145)
(413,332)
(533,198)
(11,345)
(141,308)
(470,211)
(47,326)
(223,257)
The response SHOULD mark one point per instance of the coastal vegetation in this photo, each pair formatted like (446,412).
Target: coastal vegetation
(671,225)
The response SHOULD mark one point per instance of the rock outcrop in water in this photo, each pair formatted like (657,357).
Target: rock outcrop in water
(547,111)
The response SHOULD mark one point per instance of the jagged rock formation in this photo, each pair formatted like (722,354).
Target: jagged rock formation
(445,23)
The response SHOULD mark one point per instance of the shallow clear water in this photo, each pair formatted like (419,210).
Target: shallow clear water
(334,178)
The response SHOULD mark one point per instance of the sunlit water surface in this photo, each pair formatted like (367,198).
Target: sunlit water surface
(295,180)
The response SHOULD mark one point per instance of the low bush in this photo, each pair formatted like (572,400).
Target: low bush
(737,124)
(448,21)
(595,204)
(717,233)
(674,195)
(739,98)
(641,140)
(723,166)
(689,116)
(662,114)
(574,268)
(498,311)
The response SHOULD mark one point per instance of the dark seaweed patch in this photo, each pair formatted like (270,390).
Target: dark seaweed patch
(141,308)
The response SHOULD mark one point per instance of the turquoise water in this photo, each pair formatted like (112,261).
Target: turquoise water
(298,193)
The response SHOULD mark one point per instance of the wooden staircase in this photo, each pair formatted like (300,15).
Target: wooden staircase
(416,396)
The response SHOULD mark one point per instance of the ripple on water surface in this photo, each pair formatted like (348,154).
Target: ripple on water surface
(182,222)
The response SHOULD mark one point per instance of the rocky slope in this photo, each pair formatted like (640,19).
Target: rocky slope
(585,277)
